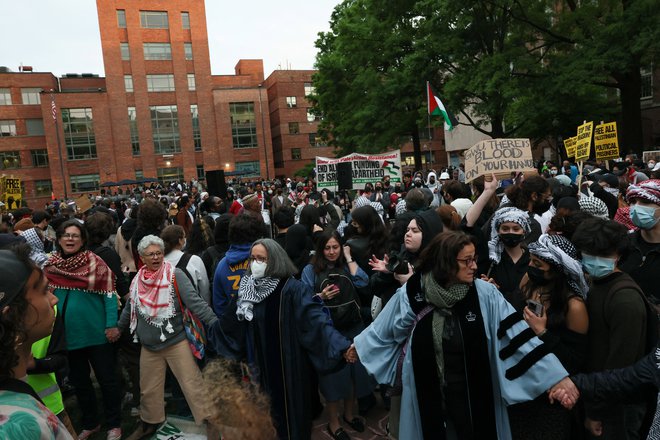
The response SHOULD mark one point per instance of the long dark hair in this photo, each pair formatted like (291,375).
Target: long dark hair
(319,262)
(439,257)
(310,216)
(372,228)
(559,294)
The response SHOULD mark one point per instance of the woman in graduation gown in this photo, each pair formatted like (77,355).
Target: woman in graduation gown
(456,349)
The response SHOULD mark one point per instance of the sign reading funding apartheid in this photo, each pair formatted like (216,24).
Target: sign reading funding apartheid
(366,168)
(11,188)
(583,146)
(570,145)
(606,142)
(499,156)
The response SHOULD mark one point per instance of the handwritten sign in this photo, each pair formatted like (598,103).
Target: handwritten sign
(570,145)
(606,142)
(366,168)
(12,193)
(499,156)
(83,203)
(583,146)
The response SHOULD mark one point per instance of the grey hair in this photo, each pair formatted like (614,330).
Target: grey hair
(149,240)
(279,265)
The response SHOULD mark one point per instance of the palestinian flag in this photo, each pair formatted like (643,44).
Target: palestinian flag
(436,107)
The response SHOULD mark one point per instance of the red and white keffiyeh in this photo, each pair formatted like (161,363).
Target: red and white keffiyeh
(152,296)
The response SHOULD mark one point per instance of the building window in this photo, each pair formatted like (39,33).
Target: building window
(125,51)
(10,159)
(170,174)
(160,83)
(165,128)
(31,96)
(8,128)
(197,135)
(85,183)
(187,50)
(185,20)
(191,82)
(296,154)
(291,101)
(200,172)
(5,97)
(128,83)
(154,19)
(294,128)
(249,169)
(135,138)
(316,141)
(79,133)
(243,124)
(139,175)
(647,84)
(309,89)
(35,127)
(39,158)
(157,51)
(311,117)
(121,18)
(43,188)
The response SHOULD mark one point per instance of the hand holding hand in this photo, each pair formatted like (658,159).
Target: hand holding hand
(379,265)
(351,354)
(112,334)
(564,392)
(536,323)
(595,427)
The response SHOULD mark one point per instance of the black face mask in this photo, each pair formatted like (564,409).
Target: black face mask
(418,184)
(542,207)
(512,240)
(537,276)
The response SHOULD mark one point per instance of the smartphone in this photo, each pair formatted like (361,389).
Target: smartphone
(535,306)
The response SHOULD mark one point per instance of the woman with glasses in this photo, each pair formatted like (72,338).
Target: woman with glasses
(455,349)
(85,288)
(286,333)
(154,316)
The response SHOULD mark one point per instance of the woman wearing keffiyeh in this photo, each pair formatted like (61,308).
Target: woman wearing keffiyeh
(556,283)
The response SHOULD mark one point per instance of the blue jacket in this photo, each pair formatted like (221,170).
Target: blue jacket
(228,276)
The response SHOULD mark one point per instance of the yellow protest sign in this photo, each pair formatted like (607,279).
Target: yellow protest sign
(499,156)
(583,146)
(606,142)
(570,145)
(11,188)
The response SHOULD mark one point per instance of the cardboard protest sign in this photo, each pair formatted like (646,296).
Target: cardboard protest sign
(12,194)
(366,168)
(583,146)
(83,203)
(606,142)
(499,156)
(570,145)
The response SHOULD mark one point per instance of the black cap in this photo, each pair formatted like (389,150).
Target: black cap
(15,275)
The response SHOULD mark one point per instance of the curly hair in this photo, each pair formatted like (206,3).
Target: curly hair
(521,194)
(152,215)
(99,226)
(236,405)
(201,237)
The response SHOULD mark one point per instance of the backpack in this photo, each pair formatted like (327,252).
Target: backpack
(652,311)
(345,307)
(182,264)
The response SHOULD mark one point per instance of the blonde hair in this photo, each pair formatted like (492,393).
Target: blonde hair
(237,406)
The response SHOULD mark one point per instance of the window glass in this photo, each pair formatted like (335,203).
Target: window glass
(185,20)
(79,133)
(43,188)
(85,183)
(294,128)
(8,128)
(121,18)
(243,124)
(160,83)
(291,101)
(31,96)
(309,89)
(169,174)
(251,169)
(191,82)
(296,154)
(157,51)
(165,129)
(128,83)
(197,135)
(35,127)
(187,50)
(10,159)
(5,97)
(39,158)
(135,138)
(154,19)
(125,51)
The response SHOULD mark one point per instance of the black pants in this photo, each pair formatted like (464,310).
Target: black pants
(103,360)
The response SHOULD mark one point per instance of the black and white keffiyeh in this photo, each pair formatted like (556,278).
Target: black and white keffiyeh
(252,291)
(560,253)
(503,215)
(594,206)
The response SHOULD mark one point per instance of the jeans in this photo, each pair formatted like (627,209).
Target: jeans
(103,360)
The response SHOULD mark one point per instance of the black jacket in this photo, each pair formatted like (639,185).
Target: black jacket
(642,266)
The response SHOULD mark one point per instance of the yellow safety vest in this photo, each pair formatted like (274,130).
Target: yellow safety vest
(45,385)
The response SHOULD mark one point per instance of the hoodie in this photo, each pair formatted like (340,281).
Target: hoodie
(228,276)
(434,188)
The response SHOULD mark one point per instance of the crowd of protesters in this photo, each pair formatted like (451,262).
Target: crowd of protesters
(522,308)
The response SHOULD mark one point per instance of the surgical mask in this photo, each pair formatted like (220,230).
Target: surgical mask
(643,216)
(537,276)
(553,172)
(270,191)
(512,240)
(258,268)
(598,267)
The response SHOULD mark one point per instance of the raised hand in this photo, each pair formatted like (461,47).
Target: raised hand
(379,265)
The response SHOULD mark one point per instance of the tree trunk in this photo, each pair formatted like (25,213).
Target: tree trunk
(630,132)
(417,148)
(497,127)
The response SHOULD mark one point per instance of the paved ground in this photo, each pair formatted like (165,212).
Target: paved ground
(376,422)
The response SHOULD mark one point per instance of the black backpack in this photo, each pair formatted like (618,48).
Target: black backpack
(345,307)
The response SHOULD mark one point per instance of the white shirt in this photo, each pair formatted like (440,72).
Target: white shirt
(197,271)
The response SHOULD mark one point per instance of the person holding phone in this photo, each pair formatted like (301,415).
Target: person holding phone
(551,299)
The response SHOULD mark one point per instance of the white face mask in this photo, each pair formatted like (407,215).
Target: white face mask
(258,268)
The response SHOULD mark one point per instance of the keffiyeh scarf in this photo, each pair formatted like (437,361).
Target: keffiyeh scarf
(560,253)
(252,291)
(83,271)
(504,215)
(594,206)
(152,296)
(648,190)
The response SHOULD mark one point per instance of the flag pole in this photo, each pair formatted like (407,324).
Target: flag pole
(53,110)
(428,109)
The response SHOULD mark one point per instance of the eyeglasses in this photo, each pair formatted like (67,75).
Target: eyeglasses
(259,259)
(73,236)
(153,255)
(468,261)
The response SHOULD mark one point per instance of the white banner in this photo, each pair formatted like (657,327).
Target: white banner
(365,168)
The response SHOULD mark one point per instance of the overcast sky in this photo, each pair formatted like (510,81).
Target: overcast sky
(63,36)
